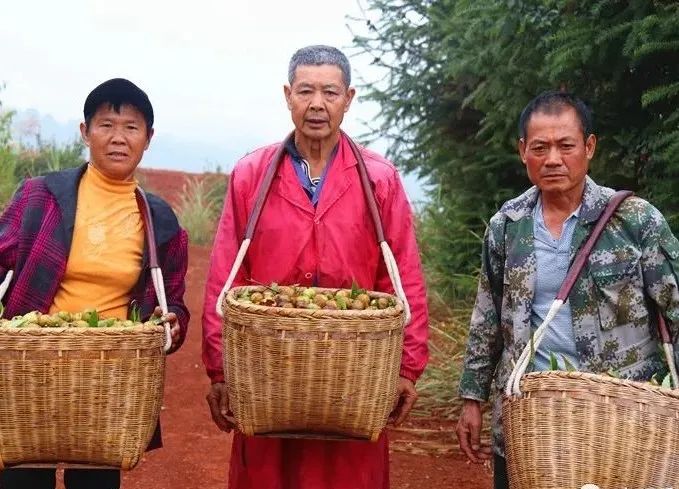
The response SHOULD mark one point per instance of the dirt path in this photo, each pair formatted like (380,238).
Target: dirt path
(196,454)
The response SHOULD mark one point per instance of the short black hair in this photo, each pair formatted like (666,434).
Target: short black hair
(116,93)
(554,102)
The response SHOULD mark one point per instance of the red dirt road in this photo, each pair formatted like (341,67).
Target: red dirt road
(196,453)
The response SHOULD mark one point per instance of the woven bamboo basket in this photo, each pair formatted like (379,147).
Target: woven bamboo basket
(79,395)
(311,373)
(83,395)
(567,429)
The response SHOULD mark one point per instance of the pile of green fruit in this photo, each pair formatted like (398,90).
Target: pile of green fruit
(292,296)
(89,318)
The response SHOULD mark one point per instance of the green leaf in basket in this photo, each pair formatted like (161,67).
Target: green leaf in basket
(2,309)
(654,380)
(531,359)
(92,317)
(567,363)
(553,363)
(135,312)
(666,382)
(354,289)
(613,373)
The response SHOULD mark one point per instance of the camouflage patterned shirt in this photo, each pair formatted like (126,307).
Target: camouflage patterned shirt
(636,260)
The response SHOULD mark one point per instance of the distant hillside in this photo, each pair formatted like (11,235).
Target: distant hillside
(166,151)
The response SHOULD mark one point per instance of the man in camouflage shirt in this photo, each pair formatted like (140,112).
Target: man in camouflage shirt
(608,322)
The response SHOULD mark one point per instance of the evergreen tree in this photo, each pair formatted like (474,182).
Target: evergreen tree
(460,71)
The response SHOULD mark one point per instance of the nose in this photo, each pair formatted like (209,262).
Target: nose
(117,136)
(553,157)
(316,100)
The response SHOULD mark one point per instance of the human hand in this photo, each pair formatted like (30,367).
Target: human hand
(404,402)
(171,318)
(469,433)
(218,400)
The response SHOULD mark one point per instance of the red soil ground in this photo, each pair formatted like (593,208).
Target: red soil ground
(196,453)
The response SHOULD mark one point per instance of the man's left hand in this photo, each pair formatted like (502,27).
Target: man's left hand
(171,318)
(405,400)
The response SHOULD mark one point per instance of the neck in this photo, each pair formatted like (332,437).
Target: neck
(316,151)
(562,203)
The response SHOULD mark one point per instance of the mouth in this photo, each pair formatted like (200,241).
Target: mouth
(316,122)
(117,155)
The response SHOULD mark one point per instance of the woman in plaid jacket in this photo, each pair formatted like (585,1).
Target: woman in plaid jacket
(75,239)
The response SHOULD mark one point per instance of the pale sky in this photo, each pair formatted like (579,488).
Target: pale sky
(213,69)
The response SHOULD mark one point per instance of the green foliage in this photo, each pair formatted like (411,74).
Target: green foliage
(199,208)
(48,156)
(18,161)
(437,388)
(7,163)
(459,73)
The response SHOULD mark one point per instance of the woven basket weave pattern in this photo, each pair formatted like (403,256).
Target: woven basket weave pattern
(568,429)
(79,395)
(316,372)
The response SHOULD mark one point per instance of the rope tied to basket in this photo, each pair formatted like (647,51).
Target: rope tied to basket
(387,254)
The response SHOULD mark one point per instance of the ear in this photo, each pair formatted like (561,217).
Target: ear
(150,133)
(287,91)
(83,134)
(522,150)
(351,92)
(590,146)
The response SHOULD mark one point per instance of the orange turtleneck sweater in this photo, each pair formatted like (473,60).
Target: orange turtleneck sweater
(104,262)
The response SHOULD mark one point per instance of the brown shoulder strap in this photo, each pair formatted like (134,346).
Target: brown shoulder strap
(145,210)
(263,189)
(584,252)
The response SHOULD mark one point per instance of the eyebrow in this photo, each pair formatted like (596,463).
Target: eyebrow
(544,141)
(311,85)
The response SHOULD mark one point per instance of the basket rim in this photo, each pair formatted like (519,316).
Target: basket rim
(593,377)
(388,313)
(36,330)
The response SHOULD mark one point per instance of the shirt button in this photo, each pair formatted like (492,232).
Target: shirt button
(308,275)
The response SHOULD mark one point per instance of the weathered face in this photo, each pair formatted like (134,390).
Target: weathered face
(117,140)
(555,152)
(318,99)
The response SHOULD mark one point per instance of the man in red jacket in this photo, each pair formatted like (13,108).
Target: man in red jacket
(315,230)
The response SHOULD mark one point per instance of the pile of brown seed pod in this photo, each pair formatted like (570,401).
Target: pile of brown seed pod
(313,298)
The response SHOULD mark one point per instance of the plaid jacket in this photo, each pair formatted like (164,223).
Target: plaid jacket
(36,230)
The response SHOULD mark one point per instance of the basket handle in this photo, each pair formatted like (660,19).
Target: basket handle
(668,348)
(156,272)
(5,285)
(513,383)
(387,254)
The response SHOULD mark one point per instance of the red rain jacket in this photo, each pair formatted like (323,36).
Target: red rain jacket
(335,243)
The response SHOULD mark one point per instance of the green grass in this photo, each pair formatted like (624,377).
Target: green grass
(200,207)
(438,386)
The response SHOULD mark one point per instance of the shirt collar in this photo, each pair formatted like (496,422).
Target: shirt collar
(537,210)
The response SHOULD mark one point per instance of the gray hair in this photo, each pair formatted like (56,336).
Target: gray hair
(320,55)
